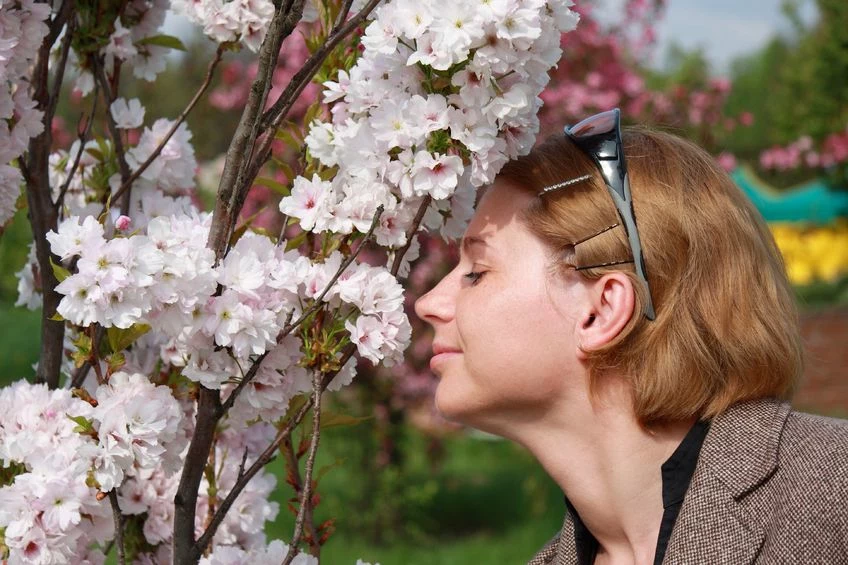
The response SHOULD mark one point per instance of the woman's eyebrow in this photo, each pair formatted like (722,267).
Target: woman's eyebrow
(469,241)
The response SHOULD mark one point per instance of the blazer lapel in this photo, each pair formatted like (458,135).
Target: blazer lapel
(712,527)
(739,455)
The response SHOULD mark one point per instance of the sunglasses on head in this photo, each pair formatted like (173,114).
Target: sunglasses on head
(599,137)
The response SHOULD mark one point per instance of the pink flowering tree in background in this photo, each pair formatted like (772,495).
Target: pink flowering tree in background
(182,348)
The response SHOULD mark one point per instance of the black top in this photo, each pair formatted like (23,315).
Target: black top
(677,473)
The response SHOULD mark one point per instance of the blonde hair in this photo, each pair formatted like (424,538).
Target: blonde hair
(726,327)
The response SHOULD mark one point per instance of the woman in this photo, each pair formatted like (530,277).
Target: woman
(647,369)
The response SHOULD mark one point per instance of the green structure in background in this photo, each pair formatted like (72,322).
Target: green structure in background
(814,201)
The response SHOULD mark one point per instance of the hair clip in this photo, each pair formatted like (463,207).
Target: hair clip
(565,184)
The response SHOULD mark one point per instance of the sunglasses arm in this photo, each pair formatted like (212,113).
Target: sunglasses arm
(625,212)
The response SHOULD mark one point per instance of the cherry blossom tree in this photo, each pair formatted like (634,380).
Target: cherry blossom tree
(180,350)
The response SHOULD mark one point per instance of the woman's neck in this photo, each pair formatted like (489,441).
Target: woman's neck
(609,468)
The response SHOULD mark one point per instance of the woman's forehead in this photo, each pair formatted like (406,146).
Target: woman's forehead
(498,216)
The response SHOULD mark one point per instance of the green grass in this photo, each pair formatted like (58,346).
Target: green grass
(489,502)
(20,340)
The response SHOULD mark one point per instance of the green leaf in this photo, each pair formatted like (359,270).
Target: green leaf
(296,241)
(291,135)
(120,338)
(116,361)
(295,404)
(241,230)
(60,272)
(274,185)
(57,317)
(96,153)
(336,420)
(83,350)
(287,170)
(325,469)
(163,41)
(312,112)
(84,425)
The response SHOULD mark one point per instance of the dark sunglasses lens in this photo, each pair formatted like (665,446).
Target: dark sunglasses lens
(595,125)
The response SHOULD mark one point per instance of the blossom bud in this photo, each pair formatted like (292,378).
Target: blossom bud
(123,223)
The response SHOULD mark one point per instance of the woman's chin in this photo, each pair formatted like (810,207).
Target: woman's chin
(451,404)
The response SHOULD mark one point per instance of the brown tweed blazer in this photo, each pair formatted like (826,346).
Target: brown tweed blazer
(770,487)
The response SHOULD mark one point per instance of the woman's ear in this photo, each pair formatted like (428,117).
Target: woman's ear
(611,301)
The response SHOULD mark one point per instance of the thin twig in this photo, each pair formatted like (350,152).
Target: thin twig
(274,116)
(240,473)
(57,23)
(110,97)
(79,376)
(248,474)
(410,233)
(294,464)
(317,303)
(306,493)
(83,139)
(125,186)
(343,13)
(65,49)
(119,526)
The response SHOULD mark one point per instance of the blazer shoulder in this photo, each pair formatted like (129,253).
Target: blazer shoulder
(816,448)
(817,432)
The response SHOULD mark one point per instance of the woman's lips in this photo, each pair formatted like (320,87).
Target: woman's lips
(441,354)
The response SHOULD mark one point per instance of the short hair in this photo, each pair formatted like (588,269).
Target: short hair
(726,327)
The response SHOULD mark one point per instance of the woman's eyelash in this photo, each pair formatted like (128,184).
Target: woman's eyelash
(473,276)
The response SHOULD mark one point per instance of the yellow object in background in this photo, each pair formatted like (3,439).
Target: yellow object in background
(813,253)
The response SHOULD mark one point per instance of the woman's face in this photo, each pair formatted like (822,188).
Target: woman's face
(504,322)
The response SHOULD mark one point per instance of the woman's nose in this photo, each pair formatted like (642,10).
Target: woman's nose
(438,304)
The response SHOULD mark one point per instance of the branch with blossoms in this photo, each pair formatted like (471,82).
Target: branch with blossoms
(211,344)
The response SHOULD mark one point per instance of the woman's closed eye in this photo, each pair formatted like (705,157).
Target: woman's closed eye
(474,276)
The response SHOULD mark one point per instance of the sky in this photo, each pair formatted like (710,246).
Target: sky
(725,29)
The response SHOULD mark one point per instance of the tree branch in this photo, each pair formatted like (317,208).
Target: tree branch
(229,199)
(119,525)
(53,99)
(83,139)
(110,96)
(306,493)
(42,215)
(275,115)
(251,471)
(125,185)
(185,501)
(410,233)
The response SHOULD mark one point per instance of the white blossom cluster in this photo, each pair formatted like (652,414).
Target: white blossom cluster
(156,193)
(138,430)
(136,443)
(22,27)
(132,43)
(226,21)
(165,277)
(151,493)
(273,554)
(441,97)
(49,514)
